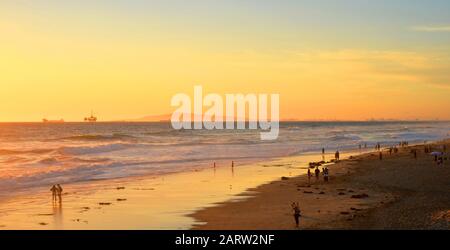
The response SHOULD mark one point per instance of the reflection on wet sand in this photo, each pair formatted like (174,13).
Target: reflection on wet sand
(58,213)
(134,207)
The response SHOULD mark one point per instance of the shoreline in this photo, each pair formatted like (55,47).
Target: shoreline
(155,202)
(187,200)
(6,195)
(398,192)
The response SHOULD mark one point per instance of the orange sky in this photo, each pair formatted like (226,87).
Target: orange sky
(61,61)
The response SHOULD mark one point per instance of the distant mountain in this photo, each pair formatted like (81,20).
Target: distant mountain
(167,117)
(152,118)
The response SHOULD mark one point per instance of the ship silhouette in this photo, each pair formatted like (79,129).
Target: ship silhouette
(52,121)
(92,118)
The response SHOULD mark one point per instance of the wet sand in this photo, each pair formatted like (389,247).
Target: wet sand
(398,192)
(402,193)
(151,202)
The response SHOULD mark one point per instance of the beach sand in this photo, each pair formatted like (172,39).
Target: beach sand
(402,193)
(148,202)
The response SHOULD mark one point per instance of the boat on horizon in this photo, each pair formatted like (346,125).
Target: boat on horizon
(52,121)
(92,118)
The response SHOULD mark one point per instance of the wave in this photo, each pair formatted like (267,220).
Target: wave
(99,137)
(345,138)
(101,171)
(112,152)
(105,148)
(18,152)
(49,160)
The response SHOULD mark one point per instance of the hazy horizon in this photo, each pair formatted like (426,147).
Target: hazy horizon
(328,60)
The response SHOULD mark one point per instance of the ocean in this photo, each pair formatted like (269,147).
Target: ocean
(41,154)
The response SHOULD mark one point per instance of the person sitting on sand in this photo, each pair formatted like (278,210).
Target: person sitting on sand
(297,213)
(54,190)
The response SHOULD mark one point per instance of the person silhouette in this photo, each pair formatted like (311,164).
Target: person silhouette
(59,192)
(309,175)
(317,172)
(297,213)
(54,190)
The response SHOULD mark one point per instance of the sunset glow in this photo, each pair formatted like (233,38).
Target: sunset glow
(126,59)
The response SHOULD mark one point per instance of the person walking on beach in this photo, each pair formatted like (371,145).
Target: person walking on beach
(54,190)
(336,155)
(323,151)
(297,213)
(309,175)
(440,161)
(317,172)
(59,190)
(325,174)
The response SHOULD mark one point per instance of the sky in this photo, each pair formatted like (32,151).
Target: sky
(125,59)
